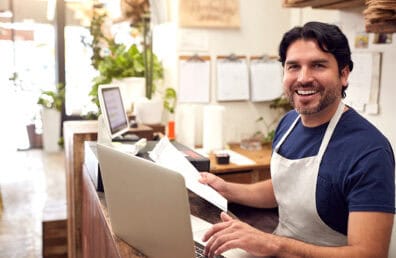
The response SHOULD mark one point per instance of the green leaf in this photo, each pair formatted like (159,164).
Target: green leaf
(170,100)
(53,99)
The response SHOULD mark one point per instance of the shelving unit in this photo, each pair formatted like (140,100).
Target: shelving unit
(324,4)
(379,15)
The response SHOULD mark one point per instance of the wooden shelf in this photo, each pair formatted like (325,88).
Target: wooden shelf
(380,17)
(324,4)
(382,27)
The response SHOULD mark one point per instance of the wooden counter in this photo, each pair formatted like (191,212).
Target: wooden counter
(75,134)
(89,228)
(245,173)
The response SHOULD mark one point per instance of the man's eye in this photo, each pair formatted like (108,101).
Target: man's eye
(292,67)
(318,66)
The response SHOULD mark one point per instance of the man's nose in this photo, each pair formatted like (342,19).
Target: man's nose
(304,75)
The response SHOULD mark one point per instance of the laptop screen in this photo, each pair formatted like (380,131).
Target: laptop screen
(113,109)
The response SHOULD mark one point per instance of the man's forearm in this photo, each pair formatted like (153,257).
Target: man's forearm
(260,195)
(288,248)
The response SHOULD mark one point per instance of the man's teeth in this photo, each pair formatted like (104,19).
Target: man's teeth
(305,92)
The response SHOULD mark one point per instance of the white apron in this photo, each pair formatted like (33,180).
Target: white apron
(294,183)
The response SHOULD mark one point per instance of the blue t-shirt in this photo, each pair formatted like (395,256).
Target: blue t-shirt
(357,171)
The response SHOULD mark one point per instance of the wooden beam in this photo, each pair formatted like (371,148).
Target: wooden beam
(312,3)
(381,27)
(324,4)
(343,4)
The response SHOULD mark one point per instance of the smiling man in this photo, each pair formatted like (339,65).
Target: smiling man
(332,172)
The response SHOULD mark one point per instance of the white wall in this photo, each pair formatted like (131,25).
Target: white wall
(262,26)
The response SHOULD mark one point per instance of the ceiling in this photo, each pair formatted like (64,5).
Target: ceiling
(77,12)
(26,9)
(36,10)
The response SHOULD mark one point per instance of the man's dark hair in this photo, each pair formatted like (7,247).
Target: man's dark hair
(329,38)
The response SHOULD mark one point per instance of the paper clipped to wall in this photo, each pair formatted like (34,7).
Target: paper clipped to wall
(232,78)
(363,88)
(194,79)
(265,79)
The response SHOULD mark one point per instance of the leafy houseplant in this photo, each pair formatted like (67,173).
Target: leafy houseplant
(52,103)
(280,104)
(53,99)
(117,61)
(170,100)
(122,63)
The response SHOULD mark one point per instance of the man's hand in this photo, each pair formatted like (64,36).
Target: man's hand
(215,182)
(260,194)
(232,233)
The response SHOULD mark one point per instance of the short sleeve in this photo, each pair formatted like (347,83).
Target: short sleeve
(371,185)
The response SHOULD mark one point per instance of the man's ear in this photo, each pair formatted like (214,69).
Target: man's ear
(345,75)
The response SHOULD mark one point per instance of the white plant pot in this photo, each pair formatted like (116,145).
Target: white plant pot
(132,88)
(51,119)
(148,111)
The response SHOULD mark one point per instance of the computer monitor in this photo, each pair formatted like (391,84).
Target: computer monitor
(112,108)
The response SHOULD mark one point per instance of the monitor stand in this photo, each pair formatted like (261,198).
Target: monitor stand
(128,137)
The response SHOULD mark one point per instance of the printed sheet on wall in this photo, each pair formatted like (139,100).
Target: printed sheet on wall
(265,79)
(194,79)
(232,78)
(363,89)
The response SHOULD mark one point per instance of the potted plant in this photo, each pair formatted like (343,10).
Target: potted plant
(115,62)
(123,62)
(52,103)
(281,105)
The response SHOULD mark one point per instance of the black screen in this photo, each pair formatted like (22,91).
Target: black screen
(114,109)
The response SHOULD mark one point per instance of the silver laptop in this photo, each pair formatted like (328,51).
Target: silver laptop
(148,206)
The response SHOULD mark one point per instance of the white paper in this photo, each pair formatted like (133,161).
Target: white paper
(235,157)
(194,81)
(166,155)
(232,80)
(360,80)
(266,80)
(239,159)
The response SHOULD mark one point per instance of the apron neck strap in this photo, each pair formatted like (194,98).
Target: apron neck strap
(287,133)
(330,129)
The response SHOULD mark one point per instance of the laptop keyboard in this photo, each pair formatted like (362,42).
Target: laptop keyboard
(199,251)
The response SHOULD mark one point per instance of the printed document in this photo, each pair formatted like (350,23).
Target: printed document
(232,80)
(166,155)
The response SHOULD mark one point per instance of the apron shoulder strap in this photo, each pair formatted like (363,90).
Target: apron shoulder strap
(287,133)
(330,129)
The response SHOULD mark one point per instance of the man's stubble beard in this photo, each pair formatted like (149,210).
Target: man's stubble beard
(327,98)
